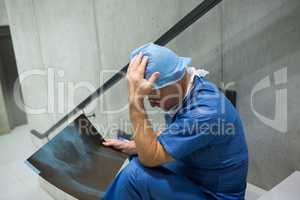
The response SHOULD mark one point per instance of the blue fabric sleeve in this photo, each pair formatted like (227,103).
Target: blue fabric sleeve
(185,136)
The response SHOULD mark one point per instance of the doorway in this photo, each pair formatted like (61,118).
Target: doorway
(8,77)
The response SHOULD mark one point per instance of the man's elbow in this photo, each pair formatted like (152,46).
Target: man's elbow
(154,157)
(148,162)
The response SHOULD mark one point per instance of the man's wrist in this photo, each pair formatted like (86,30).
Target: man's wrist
(137,111)
(137,105)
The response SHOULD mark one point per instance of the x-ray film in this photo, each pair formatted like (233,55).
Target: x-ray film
(76,162)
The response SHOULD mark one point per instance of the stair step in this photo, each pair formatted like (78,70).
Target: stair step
(288,189)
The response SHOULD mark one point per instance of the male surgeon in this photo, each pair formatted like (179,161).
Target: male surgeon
(202,152)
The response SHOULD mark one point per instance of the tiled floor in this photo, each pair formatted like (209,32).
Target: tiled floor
(17,180)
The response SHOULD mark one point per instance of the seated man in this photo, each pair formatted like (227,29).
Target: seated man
(202,152)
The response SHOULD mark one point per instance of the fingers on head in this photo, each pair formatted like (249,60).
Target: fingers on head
(137,59)
(154,77)
(135,62)
(144,63)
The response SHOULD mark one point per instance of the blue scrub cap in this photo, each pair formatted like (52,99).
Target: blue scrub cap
(161,59)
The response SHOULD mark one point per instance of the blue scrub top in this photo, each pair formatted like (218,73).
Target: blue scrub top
(206,139)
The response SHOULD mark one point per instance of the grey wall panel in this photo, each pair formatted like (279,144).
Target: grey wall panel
(28,55)
(4,123)
(9,77)
(68,46)
(202,42)
(262,37)
(3,13)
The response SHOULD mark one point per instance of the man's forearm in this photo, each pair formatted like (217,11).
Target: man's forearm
(149,150)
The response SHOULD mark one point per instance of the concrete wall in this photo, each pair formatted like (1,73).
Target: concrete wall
(16,115)
(202,42)
(57,39)
(3,13)
(89,43)
(260,38)
(4,123)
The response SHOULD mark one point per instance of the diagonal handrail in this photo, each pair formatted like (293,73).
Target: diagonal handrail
(179,27)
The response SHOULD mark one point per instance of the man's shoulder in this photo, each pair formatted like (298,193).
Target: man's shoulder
(204,95)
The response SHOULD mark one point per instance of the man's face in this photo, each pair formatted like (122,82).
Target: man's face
(166,97)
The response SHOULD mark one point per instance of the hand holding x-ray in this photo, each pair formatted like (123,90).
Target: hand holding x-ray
(125,146)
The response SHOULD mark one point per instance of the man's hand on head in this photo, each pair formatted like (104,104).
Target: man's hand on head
(150,152)
(138,86)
